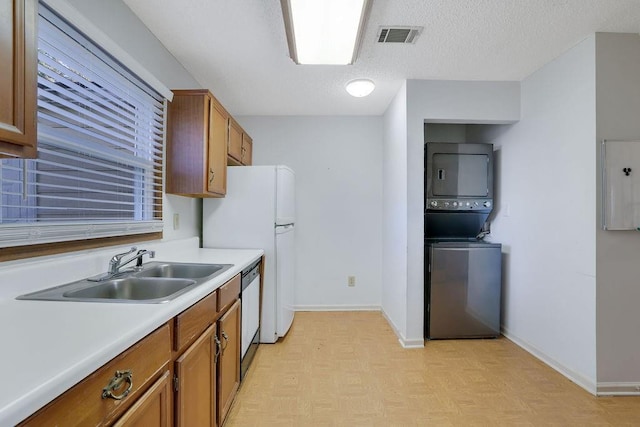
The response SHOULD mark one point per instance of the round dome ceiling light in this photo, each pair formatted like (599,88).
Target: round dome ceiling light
(360,87)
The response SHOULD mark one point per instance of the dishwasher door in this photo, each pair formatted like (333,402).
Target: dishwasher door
(250,314)
(464,290)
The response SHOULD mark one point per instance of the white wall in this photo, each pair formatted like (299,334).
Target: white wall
(394,214)
(445,132)
(618,252)
(441,102)
(545,219)
(122,26)
(338,166)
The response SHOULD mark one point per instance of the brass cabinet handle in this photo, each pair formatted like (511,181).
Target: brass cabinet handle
(226,340)
(212,175)
(116,383)
(218,346)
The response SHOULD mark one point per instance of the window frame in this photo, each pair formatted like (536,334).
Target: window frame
(50,248)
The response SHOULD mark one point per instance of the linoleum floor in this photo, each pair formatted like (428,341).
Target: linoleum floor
(348,369)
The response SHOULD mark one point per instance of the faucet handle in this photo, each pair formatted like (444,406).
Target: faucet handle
(152,254)
(140,254)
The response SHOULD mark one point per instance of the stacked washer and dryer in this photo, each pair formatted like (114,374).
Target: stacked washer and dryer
(463,278)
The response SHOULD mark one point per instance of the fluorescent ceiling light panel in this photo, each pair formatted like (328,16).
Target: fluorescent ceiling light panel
(324,31)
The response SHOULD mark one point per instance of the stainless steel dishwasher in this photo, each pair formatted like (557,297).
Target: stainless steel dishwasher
(250,324)
(464,288)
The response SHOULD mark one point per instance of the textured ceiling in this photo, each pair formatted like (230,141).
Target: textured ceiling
(238,48)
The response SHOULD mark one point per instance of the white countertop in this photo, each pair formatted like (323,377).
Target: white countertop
(49,346)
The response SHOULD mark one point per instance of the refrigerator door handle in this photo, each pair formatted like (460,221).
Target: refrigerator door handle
(284,228)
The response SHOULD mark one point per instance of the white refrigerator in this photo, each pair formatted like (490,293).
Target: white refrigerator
(259,212)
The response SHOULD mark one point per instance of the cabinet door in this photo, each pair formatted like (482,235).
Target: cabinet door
(247,149)
(229,366)
(152,408)
(18,56)
(216,150)
(196,383)
(235,141)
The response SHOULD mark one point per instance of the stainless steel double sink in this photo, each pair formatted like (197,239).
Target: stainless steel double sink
(154,282)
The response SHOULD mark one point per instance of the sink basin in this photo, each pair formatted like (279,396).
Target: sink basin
(156,282)
(133,288)
(180,270)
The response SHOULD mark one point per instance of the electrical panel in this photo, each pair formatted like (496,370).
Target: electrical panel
(620,185)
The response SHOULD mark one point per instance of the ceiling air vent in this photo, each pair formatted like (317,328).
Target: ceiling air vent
(398,34)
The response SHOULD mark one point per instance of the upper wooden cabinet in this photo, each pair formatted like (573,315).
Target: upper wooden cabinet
(18,85)
(197,135)
(202,138)
(247,149)
(240,147)
(234,150)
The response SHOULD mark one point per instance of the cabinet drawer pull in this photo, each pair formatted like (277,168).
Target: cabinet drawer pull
(116,383)
(226,340)
(218,346)
(212,174)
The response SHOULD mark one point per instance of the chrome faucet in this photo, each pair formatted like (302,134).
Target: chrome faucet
(117,263)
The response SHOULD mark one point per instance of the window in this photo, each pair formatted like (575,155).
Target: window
(98,172)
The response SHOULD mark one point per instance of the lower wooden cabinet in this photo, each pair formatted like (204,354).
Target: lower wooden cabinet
(104,395)
(152,408)
(229,365)
(195,373)
(201,344)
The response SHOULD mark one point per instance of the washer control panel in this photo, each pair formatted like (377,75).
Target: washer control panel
(460,204)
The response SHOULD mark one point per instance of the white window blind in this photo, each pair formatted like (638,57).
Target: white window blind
(98,172)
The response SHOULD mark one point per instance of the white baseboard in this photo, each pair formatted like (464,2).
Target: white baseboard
(334,307)
(404,342)
(575,377)
(618,389)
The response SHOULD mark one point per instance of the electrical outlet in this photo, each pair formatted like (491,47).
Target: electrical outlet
(352,280)
(176,221)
